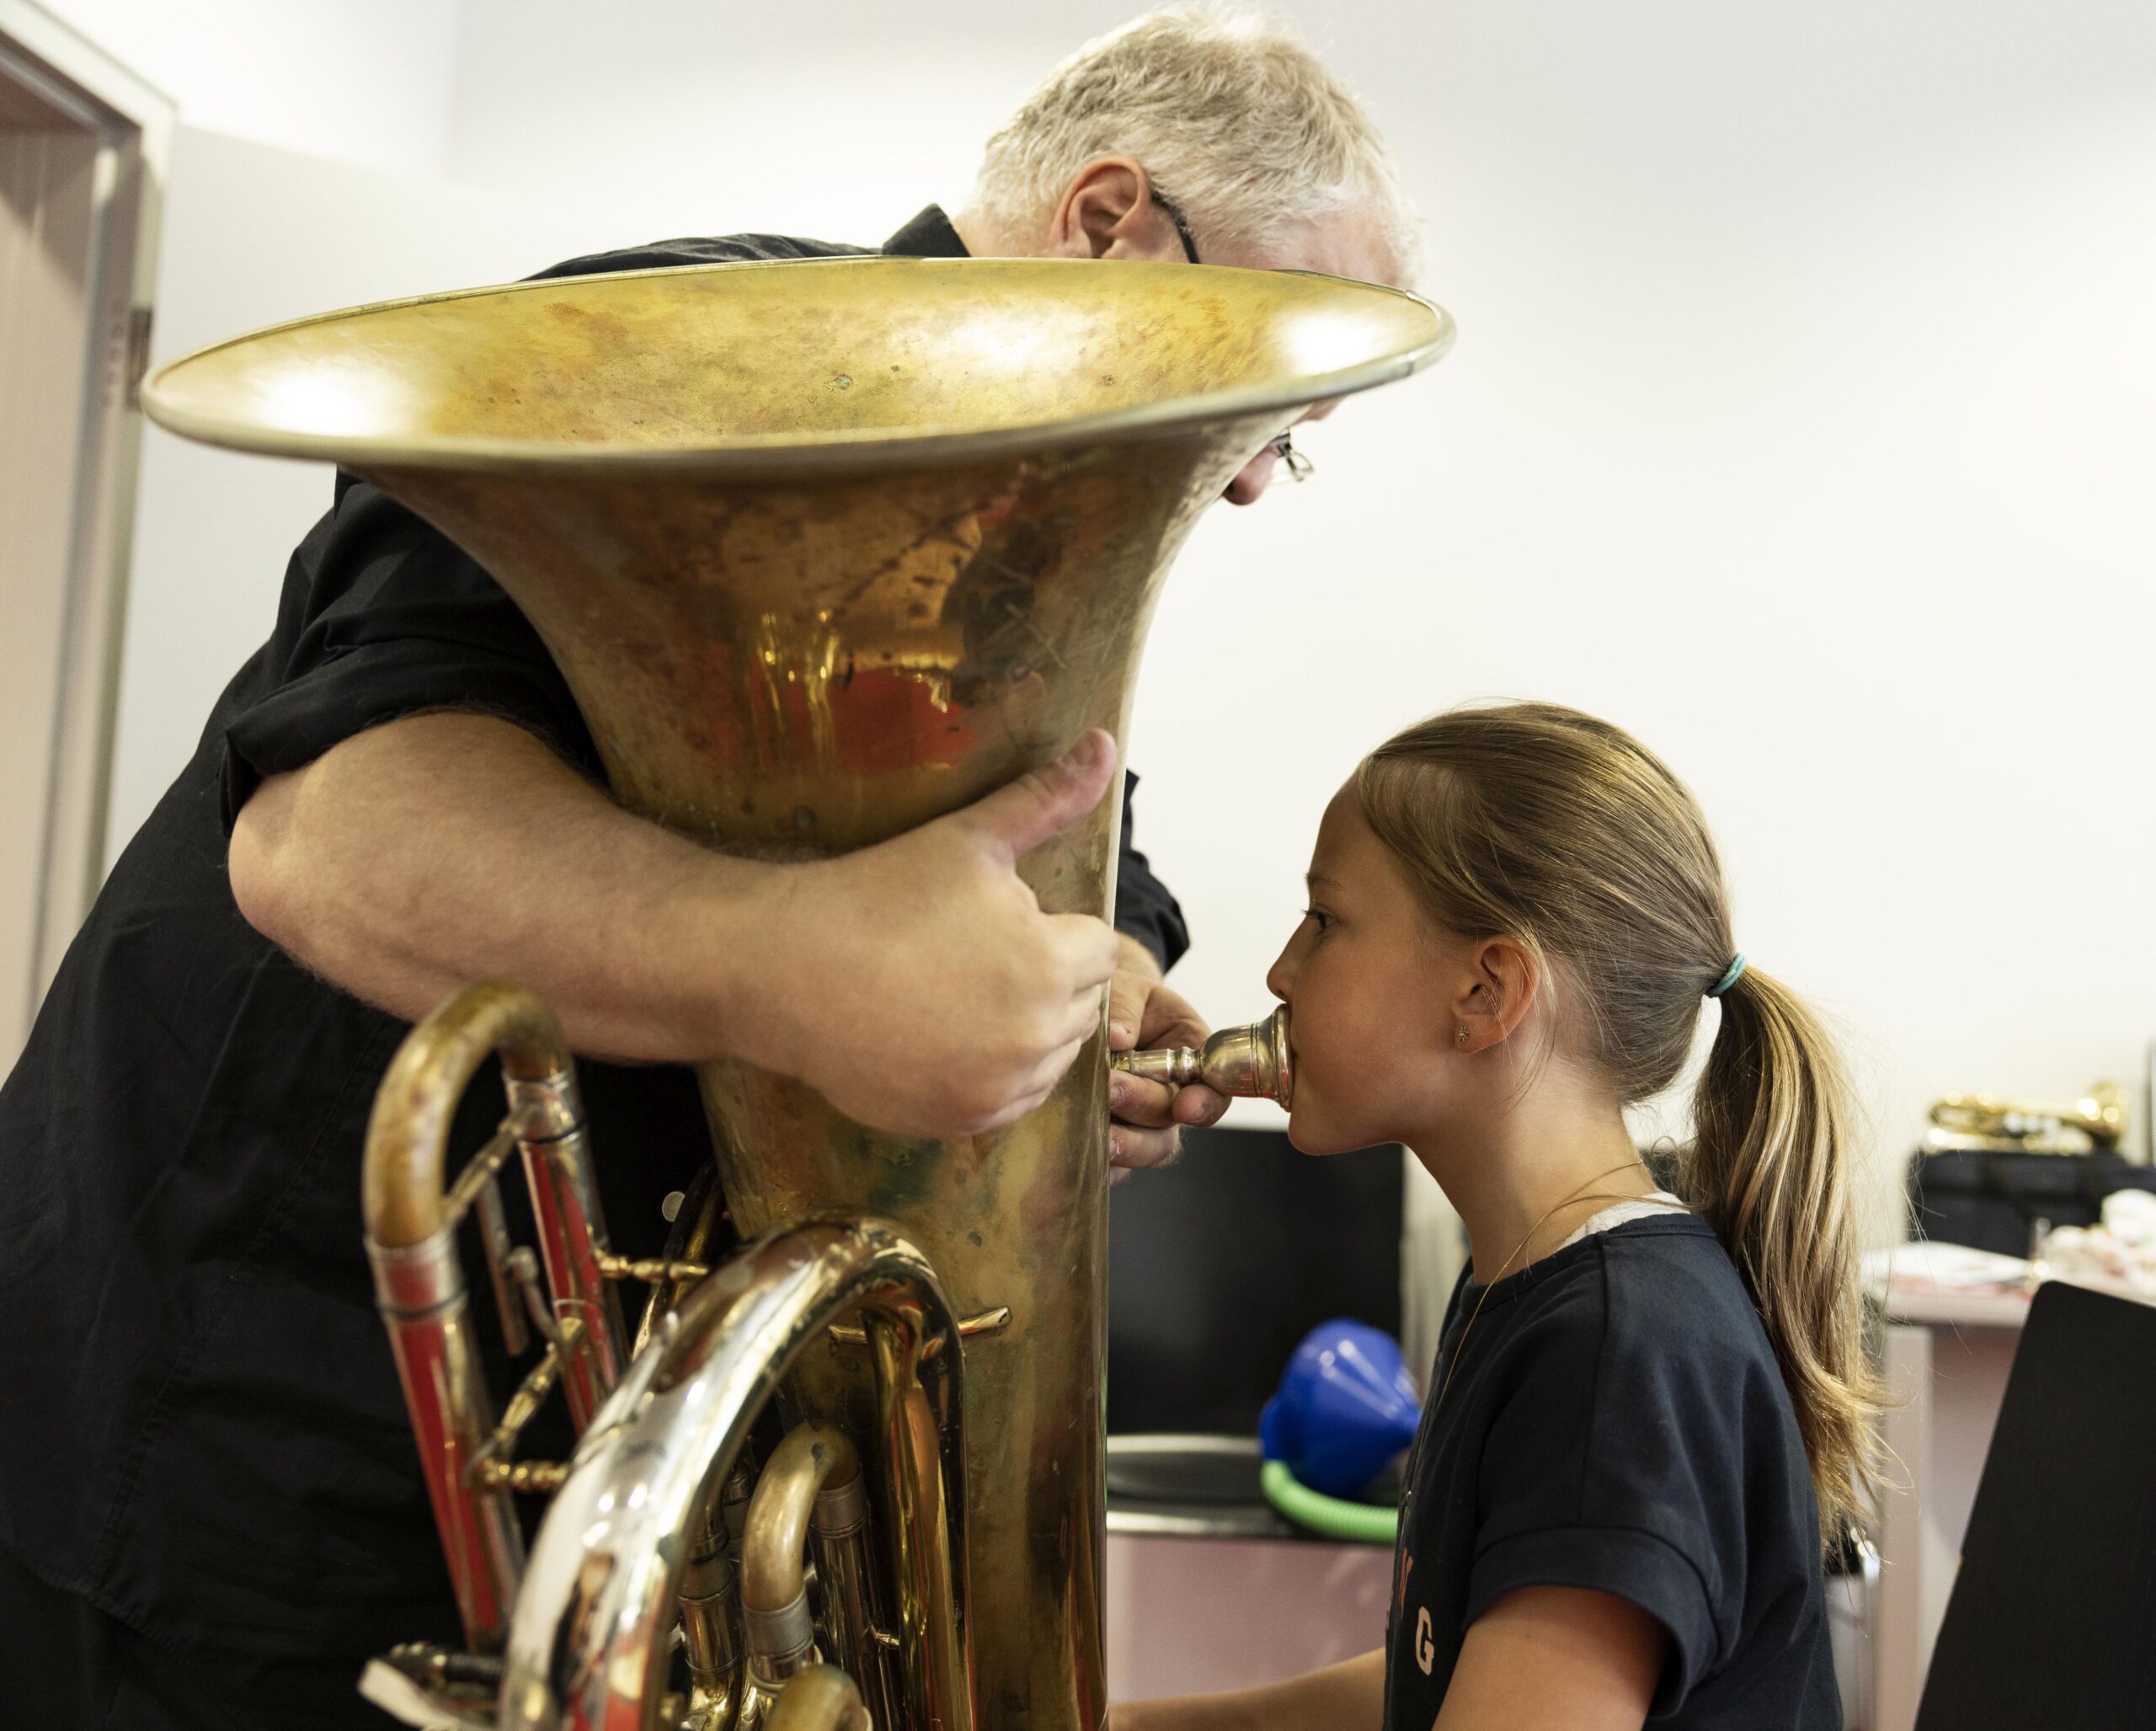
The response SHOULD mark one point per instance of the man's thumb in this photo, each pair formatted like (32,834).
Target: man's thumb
(1043,801)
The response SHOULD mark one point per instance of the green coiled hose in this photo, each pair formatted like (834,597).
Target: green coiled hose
(1335,1517)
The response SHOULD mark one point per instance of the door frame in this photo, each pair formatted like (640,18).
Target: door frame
(132,122)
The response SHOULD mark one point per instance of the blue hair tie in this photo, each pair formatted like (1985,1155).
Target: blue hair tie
(1728,980)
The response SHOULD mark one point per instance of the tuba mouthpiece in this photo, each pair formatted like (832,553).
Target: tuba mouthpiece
(1251,1061)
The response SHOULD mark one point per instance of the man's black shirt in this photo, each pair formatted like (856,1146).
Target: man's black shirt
(1615,1419)
(203,1436)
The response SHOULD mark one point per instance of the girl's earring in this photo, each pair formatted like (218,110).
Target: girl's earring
(1463,1036)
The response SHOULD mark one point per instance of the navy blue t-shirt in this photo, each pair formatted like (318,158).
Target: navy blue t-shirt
(1616,1420)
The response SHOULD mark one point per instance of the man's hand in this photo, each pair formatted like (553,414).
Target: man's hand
(1143,1013)
(917,985)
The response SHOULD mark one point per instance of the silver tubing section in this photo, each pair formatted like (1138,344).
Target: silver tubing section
(847,1577)
(572,1233)
(420,1291)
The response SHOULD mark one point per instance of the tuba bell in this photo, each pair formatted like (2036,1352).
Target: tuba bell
(823,549)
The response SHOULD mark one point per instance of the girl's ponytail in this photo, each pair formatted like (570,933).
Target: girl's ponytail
(1770,1168)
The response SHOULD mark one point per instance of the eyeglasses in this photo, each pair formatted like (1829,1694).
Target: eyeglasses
(1182,222)
(1299,467)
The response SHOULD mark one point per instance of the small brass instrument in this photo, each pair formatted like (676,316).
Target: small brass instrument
(1253,1061)
(824,549)
(2001,1124)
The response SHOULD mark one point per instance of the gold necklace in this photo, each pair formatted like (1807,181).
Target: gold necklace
(1460,1346)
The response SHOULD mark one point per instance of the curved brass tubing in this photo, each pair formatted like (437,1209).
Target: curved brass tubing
(775,1546)
(407,1140)
(822,1698)
(813,1481)
(420,1284)
(588,1648)
(408,1132)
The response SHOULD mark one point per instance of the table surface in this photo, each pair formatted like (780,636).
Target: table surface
(1937,1308)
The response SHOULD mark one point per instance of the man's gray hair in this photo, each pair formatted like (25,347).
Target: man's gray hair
(1234,118)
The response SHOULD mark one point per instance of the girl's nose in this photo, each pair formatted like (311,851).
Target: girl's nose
(1280,977)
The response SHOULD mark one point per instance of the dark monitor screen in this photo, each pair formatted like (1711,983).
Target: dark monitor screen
(1219,1264)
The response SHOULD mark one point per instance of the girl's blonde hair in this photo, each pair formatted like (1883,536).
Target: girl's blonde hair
(1565,833)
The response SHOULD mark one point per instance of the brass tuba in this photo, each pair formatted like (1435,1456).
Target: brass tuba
(823,549)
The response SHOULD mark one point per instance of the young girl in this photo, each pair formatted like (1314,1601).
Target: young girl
(1649,1411)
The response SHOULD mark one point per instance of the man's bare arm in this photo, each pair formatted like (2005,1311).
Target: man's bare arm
(416,858)
(916,983)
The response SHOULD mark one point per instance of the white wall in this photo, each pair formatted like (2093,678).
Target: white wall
(820,118)
(366,82)
(253,236)
(1798,421)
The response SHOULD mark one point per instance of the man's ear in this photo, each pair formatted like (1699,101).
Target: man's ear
(1108,212)
(1504,978)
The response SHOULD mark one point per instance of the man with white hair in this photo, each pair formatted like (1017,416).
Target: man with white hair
(211,1512)
(1226,116)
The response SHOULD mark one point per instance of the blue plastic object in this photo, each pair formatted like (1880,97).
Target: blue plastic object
(1345,1408)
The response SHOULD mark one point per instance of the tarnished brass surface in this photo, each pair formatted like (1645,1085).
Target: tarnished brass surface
(822,1698)
(832,367)
(1253,1061)
(588,1644)
(826,550)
